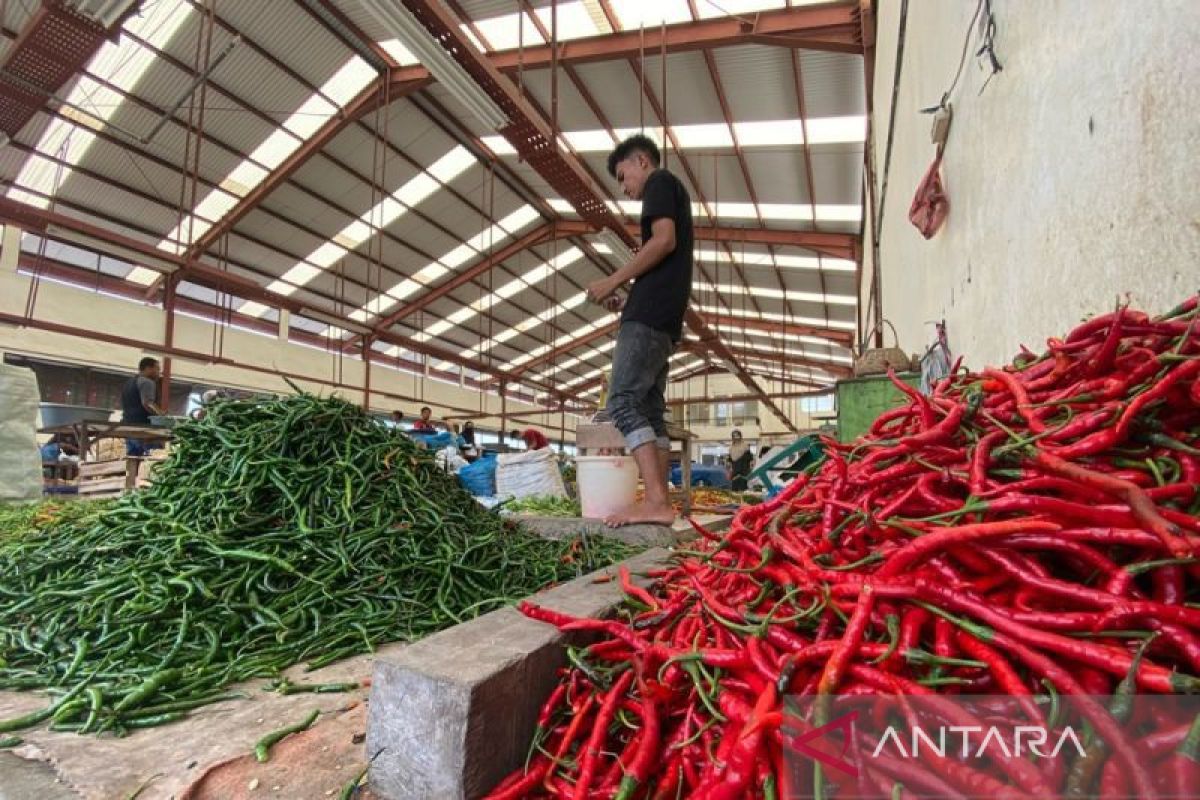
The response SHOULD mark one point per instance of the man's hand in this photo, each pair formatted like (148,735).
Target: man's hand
(601,290)
(615,302)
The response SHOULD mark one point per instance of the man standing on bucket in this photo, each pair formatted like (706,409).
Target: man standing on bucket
(651,319)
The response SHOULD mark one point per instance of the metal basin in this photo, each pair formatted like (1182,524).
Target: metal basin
(55,414)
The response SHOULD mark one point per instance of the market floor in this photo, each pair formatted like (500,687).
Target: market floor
(215,744)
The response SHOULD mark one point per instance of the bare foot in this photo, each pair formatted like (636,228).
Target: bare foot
(642,514)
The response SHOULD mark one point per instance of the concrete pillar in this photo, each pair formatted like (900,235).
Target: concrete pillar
(10,248)
(285,321)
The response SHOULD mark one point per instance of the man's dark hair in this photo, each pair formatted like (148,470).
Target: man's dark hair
(638,143)
(146,363)
(426,408)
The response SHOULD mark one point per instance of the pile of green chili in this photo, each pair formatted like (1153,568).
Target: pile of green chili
(278,532)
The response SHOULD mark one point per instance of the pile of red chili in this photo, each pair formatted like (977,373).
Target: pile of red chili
(1002,535)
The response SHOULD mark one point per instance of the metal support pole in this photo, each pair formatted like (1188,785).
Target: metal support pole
(503,410)
(366,358)
(562,425)
(168,342)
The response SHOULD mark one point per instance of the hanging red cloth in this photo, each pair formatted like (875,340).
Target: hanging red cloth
(930,205)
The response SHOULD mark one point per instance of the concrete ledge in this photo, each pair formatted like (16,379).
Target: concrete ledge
(453,713)
(645,535)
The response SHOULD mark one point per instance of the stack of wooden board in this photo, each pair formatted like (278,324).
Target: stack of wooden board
(115,476)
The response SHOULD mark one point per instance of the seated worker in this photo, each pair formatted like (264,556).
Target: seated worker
(425,423)
(397,418)
(534,439)
(138,403)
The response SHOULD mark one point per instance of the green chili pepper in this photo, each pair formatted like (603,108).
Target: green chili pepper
(262,750)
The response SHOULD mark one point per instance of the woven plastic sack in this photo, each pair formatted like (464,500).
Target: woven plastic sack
(20,459)
(479,477)
(533,473)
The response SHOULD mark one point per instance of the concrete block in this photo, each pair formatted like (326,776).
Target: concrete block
(644,535)
(452,714)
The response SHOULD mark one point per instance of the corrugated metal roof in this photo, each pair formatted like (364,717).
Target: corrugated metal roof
(834,85)
(759,83)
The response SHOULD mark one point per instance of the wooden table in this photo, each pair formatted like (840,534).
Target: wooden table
(605,436)
(88,432)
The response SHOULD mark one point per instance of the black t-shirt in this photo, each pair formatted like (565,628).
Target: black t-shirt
(659,298)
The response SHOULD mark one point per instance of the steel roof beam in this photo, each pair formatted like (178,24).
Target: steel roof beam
(831,27)
(36,219)
(833,368)
(836,245)
(840,338)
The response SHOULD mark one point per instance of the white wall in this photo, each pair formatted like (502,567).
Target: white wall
(716,386)
(1072,178)
(81,308)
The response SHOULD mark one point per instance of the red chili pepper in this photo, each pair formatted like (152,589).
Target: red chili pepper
(1014,387)
(522,787)
(943,538)
(848,645)
(639,768)
(1142,506)
(591,750)
(1151,677)
(1185,764)
(635,591)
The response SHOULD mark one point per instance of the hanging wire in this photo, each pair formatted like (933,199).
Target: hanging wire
(39,263)
(663,58)
(642,75)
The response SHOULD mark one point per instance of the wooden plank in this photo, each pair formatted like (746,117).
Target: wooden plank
(108,484)
(92,469)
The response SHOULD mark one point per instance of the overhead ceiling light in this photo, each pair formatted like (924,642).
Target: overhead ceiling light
(106,12)
(401,23)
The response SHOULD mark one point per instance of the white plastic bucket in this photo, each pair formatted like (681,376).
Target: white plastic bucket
(607,484)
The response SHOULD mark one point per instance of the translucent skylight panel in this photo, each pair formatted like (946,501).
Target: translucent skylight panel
(708,9)
(470,34)
(839,213)
(638,13)
(734,329)
(594,141)
(736,210)
(458,256)
(779,294)
(510,31)
(122,63)
(830,130)
(771,133)
(244,177)
(772,317)
(519,219)
(703,135)
(451,165)
(353,234)
(326,255)
(499,145)
(275,149)
(396,49)
(310,116)
(349,80)
(417,189)
(574,21)
(429,273)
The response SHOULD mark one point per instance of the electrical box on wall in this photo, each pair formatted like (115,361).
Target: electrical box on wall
(940,131)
